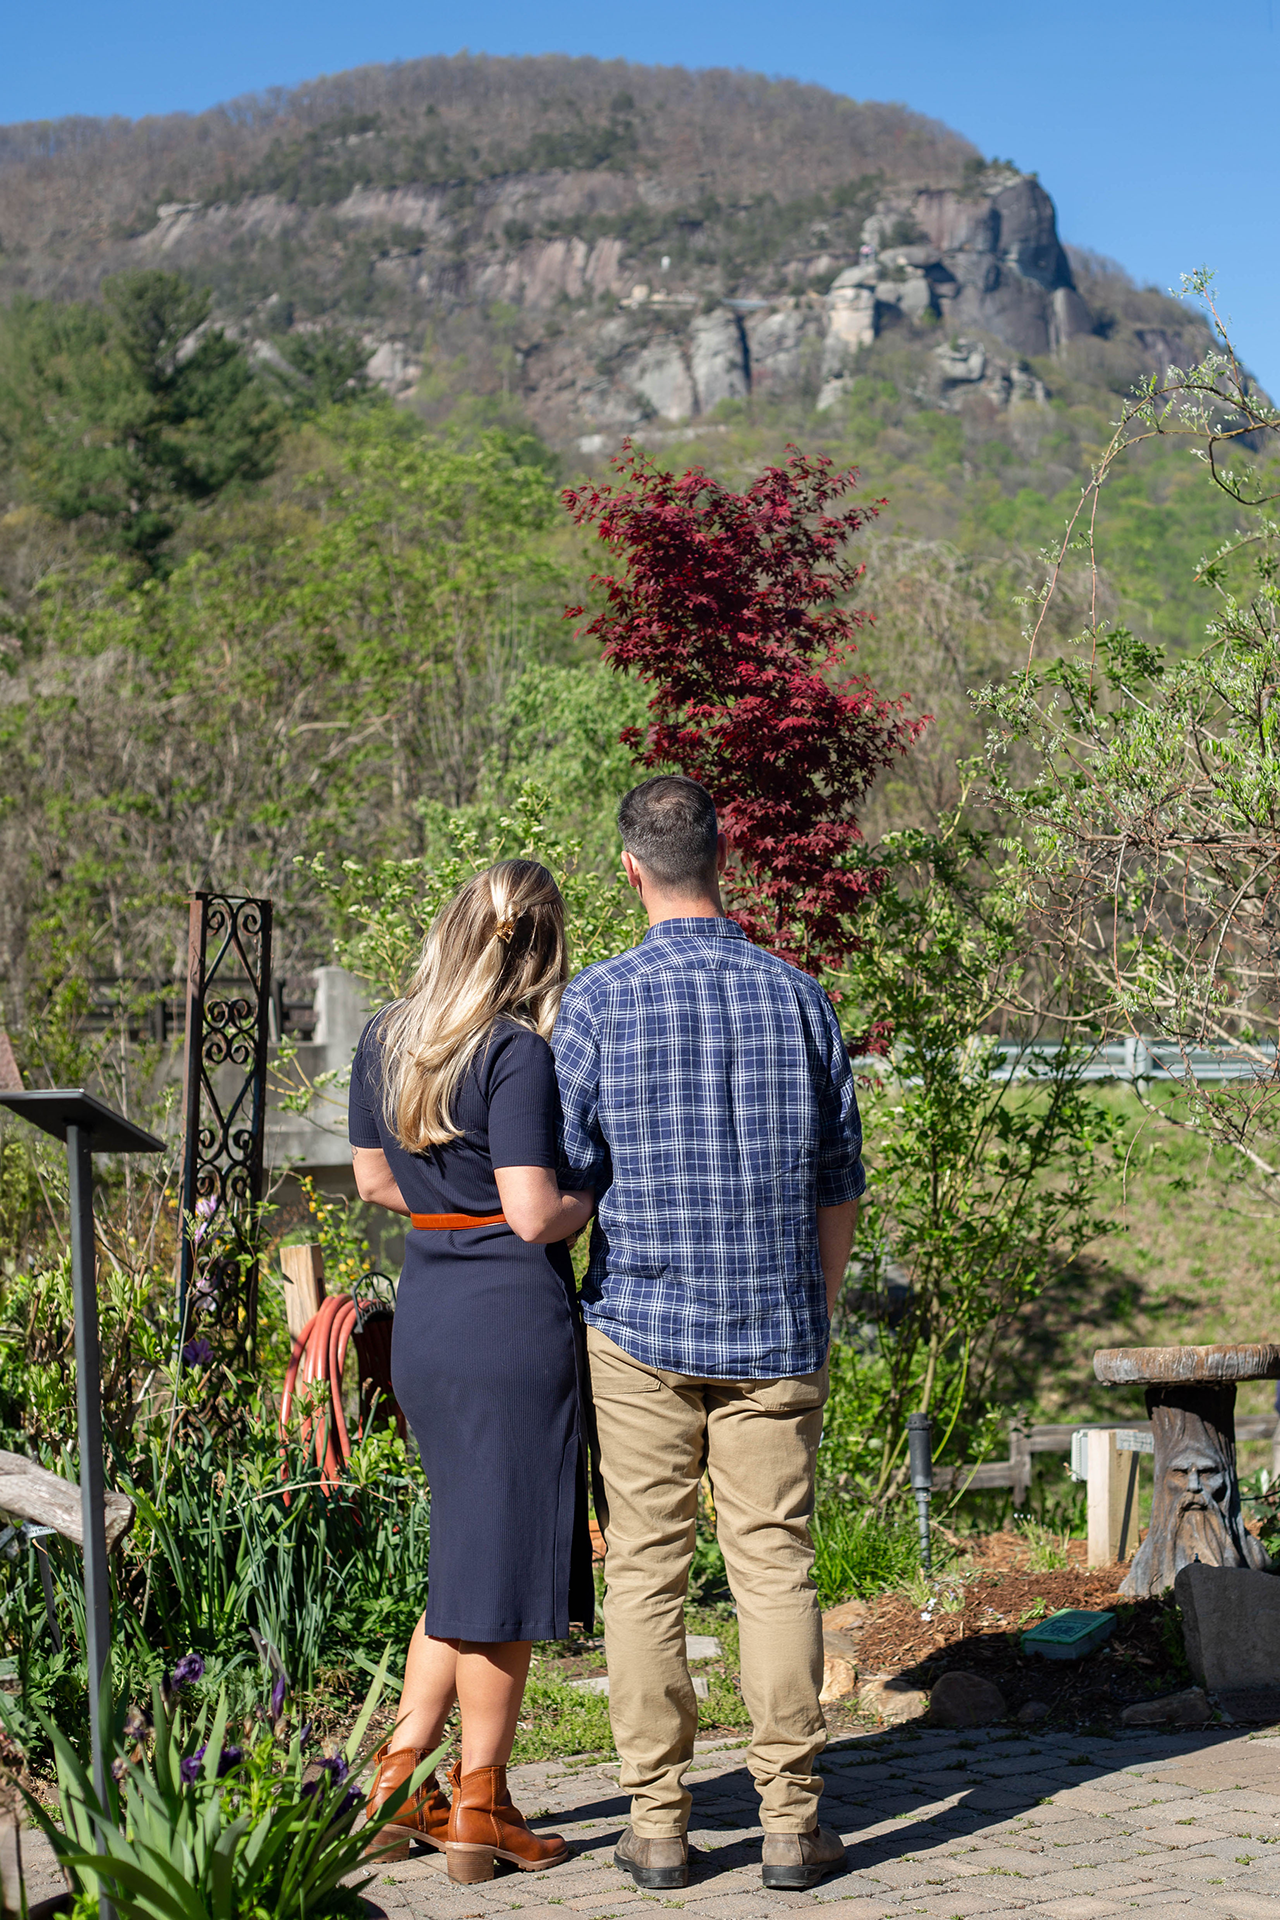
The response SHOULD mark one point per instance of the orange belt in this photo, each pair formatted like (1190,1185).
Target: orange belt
(442,1222)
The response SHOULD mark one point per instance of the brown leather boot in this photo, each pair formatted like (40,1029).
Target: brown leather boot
(484,1826)
(424,1815)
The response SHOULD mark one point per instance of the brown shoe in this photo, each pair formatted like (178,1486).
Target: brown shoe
(653,1863)
(799,1860)
(484,1827)
(423,1817)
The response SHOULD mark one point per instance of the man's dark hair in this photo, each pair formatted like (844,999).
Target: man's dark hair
(669,825)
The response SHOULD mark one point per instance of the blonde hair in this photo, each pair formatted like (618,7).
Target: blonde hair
(497,949)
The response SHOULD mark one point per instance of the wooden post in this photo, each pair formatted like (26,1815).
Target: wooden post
(1020,1462)
(303,1286)
(1106,1497)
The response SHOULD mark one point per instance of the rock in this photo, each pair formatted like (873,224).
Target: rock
(849,1617)
(1069,316)
(1230,1623)
(965,1700)
(701,1646)
(780,343)
(718,359)
(660,376)
(839,1679)
(839,1646)
(960,362)
(391,366)
(599,1683)
(892,1699)
(1030,1712)
(851,312)
(1188,1709)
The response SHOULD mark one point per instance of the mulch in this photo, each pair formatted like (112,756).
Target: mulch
(992,1605)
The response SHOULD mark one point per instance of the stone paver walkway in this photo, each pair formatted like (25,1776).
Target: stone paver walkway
(1061,1826)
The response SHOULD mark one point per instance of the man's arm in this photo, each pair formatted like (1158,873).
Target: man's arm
(583,1150)
(836,1228)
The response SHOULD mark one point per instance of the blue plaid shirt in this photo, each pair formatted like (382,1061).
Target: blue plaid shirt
(709,1100)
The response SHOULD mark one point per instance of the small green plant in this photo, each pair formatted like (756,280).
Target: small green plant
(198,1828)
(857,1552)
(1046,1550)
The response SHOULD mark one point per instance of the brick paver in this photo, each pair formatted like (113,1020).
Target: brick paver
(1060,1826)
(990,1824)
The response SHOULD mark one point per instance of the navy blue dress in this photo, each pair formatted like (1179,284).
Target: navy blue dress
(485,1356)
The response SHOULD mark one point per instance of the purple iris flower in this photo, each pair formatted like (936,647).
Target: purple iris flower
(228,1758)
(333,1764)
(188,1670)
(277,1700)
(190,1768)
(197,1353)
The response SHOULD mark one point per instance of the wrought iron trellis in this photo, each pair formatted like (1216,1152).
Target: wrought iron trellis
(228,1006)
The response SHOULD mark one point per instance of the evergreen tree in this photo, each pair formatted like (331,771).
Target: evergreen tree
(130,410)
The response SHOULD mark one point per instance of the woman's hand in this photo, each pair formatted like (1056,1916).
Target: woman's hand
(536,1209)
(375,1181)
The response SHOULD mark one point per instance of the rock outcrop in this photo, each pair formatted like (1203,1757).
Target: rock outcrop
(600,346)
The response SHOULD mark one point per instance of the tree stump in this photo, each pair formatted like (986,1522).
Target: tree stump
(1195,1504)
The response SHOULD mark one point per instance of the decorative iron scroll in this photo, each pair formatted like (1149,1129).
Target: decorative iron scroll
(228,1004)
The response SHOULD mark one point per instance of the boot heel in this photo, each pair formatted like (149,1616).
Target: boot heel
(467,1865)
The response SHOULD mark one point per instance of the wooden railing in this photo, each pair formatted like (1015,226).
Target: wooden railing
(1024,1442)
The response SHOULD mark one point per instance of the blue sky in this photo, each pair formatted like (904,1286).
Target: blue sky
(1153,127)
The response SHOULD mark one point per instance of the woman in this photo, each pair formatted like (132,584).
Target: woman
(455,1121)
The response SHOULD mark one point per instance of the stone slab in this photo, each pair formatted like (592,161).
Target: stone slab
(1230,1624)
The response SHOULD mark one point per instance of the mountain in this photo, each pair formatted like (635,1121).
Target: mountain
(613,245)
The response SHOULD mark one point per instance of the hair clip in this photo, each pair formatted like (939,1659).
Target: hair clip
(506,927)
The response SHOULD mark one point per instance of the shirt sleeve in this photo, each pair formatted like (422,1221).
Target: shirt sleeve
(584,1152)
(840,1172)
(519,1083)
(365,1097)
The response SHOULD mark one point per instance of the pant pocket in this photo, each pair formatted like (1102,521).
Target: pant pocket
(613,1373)
(795,1393)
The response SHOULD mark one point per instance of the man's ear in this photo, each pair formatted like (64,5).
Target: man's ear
(722,853)
(634,872)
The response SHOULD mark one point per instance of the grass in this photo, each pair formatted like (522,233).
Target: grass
(857,1553)
(1192,1262)
(559,1720)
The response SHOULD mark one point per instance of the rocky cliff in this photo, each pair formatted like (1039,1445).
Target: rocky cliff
(604,336)
(613,244)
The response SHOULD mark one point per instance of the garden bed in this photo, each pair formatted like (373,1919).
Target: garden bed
(972,1616)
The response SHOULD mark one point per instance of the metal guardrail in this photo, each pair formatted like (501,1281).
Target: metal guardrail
(1130,1061)
(1136,1059)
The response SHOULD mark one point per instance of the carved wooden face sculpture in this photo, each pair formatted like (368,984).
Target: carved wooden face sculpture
(1196,1494)
(1195,1501)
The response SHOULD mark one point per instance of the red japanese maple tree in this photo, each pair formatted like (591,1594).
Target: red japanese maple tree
(733,606)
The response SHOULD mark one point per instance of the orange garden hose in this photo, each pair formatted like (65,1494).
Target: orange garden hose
(320,1351)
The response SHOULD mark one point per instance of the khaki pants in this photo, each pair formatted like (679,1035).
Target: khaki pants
(757,1439)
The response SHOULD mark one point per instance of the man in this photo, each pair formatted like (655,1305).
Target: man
(709,1100)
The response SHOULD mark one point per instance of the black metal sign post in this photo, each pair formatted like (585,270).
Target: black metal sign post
(920,1460)
(228,1009)
(88,1127)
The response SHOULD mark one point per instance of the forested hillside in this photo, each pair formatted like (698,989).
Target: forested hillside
(288,391)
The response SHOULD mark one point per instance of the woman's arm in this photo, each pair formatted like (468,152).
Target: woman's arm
(375,1181)
(535,1207)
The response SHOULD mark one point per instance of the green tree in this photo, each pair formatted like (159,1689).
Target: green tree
(132,410)
(1149,826)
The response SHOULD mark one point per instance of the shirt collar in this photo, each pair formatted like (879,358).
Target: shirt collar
(695,927)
